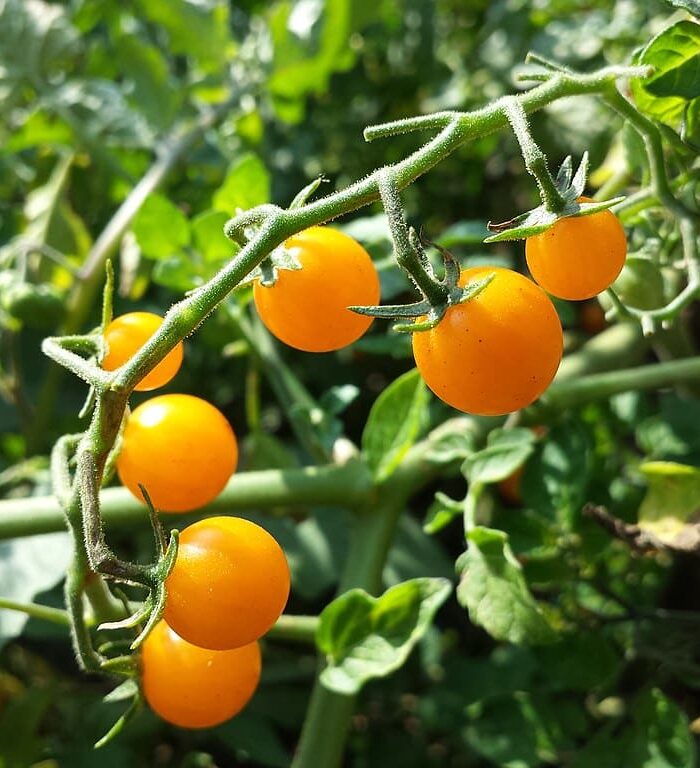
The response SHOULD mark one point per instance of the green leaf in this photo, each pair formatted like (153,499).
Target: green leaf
(506,450)
(246,185)
(196,28)
(656,736)
(365,637)
(510,732)
(161,228)
(42,208)
(394,423)
(673,88)
(209,238)
(441,513)
(37,41)
(27,567)
(674,433)
(178,273)
(672,499)
(154,92)
(556,478)
(103,113)
(311,42)
(583,661)
(494,591)
(675,56)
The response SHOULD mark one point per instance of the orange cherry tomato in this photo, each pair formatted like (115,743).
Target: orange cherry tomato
(495,353)
(180,448)
(510,488)
(579,256)
(307,308)
(126,334)
(591,318)
(229,584)
(194,687)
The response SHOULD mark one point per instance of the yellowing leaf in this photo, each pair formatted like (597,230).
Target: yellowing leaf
(672,499)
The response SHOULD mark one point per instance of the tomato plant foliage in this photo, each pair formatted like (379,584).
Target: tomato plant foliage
(164,157)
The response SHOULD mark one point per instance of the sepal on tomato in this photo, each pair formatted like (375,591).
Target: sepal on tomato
(538,220)
(431,312)
(118,694)
(268,269)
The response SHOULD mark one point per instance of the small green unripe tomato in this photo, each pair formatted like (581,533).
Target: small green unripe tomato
(37,306)
(640,285)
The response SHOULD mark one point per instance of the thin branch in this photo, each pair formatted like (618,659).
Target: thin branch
(687,542)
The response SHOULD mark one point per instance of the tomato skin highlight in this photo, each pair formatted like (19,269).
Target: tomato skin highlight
(125,336)
(194,687)
(579,256)
(307,308)
(180,448)
(495,353)
(229,584)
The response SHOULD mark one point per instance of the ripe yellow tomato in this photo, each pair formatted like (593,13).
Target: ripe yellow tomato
(229,584)
(126,334)
(180,448)
(578,257)
(495,353)
(308,308)
(194,687)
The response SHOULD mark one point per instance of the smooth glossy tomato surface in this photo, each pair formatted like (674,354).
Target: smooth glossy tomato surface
(308,308)
(229,584)
(194,687)
(126,334)
(578,257)
(495,353)
(180,448)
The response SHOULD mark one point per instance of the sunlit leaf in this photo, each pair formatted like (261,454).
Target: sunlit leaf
(493,589)
(365,637)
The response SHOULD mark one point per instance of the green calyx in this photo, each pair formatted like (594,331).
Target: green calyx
(438,294)
(569,187)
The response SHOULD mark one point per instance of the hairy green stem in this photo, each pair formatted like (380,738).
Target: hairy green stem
(621,345)
(36,611)
(406,255)
(601,385)
(535,160)
(651,137)
(345,485)
(296,629)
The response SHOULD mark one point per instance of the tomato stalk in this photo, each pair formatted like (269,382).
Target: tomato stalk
(663,191)
(535,160)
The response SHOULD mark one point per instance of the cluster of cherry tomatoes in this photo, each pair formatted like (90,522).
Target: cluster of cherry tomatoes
(230,582)
(493,354)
